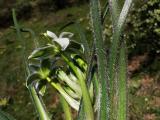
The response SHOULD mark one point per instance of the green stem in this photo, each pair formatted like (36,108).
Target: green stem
(88,109)
(20,38)
(43,115)
(66,108)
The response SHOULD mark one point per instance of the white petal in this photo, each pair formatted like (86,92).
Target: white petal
(63,42)
(67,34)
(52,35)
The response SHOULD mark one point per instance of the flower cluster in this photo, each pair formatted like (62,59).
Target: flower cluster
(58,64)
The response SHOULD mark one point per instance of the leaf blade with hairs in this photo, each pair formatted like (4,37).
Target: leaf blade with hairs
(118,24)
(101,58)
(114,10)
(122,86)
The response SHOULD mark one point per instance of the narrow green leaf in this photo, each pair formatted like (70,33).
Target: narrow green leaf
(123,14)
(20,38)
(118,24)
(66,108)
(114,10)
(105,11)
(90,73)
(122,84)
(92,67)
(5,116)
(79,62)
(16,25)
(117,35)
(96,84)
(101,58)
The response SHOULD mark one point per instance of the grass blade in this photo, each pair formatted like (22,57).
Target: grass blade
(118,25)
(20,38)
(16,25)
(122,86)
(101,58)
(123,14)
(105,11)
(114,10)
(66,108)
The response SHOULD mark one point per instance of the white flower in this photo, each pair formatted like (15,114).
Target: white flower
(61,40)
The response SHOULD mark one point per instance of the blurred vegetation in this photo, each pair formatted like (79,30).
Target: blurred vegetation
(144,33)
(27,8)
(144,27)
(143,36)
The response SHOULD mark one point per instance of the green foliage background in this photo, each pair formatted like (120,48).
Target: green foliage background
(144,27)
